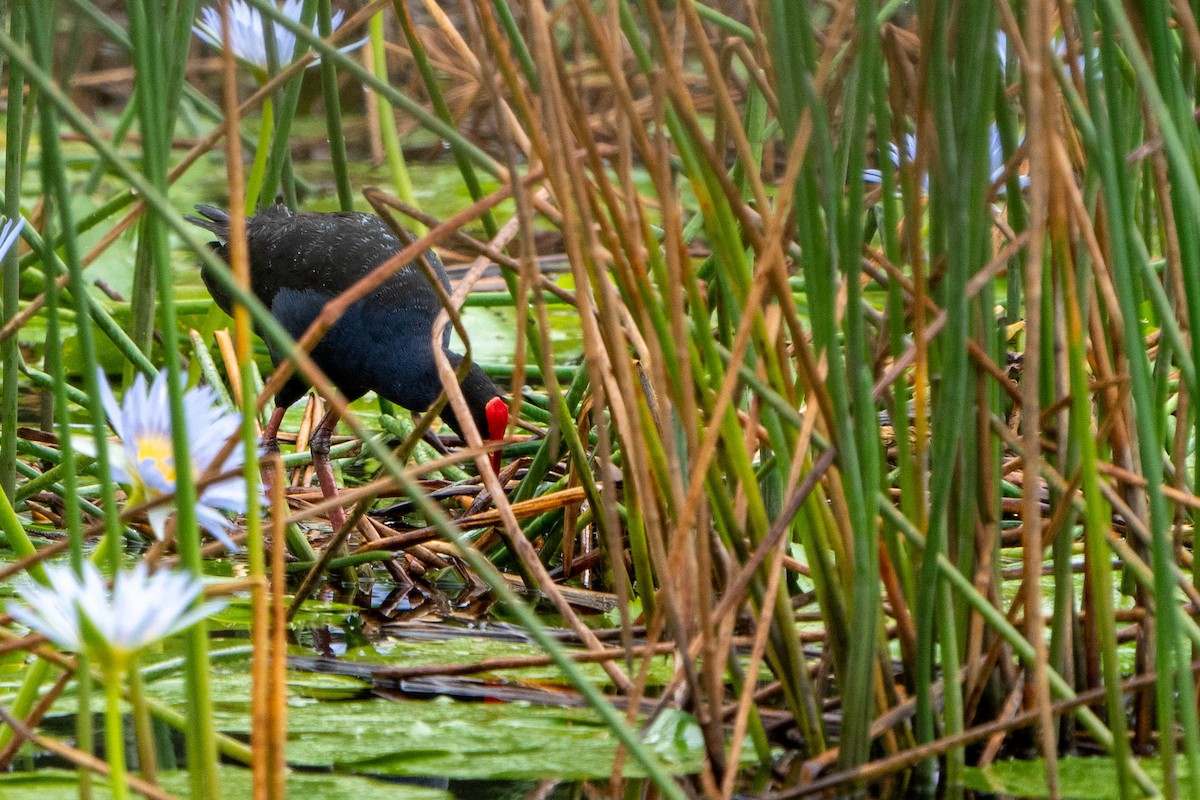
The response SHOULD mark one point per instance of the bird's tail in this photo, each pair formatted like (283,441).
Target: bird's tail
(214,220)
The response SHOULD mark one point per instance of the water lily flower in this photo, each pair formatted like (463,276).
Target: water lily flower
(1058,47)
(995,159)
(146,461)
(246,37)
(872,175)
(80,614)
(9,232)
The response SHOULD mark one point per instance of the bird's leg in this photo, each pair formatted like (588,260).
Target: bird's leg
(270,441)
(270,434)
(318,445)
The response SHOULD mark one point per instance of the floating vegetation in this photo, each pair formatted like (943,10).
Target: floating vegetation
(801,398)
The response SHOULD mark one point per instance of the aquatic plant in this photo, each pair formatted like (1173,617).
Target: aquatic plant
(10,230)
(247,33)
(78,612)
(714,465)
(996,160)
(145,462)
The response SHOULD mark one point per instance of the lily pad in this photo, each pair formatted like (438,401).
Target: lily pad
(401,651)
(53,784)
(1078,778)
(482,740)
(416,738)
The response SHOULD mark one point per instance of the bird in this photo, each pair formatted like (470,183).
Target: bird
(299,261)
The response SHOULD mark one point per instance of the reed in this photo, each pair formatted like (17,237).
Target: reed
(886,354)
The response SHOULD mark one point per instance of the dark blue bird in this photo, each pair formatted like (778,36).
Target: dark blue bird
(298,263)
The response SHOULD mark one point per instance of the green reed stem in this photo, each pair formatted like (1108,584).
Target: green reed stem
(1117,199)
(859,463)
(180,15)
(387,126)
(254,182)
(18,540)
(462,156)
(114,733)
(792,46)
(728,24)
(151,73)
(520,49)
(9,351)
(333,113)
(202,358)
(1097,521)
(144,24)
(31,689)
(331,56)
(54,366)
(281,152)
(142,725)
(42,18)
(954,211)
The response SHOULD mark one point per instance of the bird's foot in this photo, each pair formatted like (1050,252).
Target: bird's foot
(270,447)
(319,443)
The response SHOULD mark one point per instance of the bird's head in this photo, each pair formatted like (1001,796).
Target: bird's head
(489,410)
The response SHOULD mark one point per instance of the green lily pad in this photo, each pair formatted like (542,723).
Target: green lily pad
(319,686)
(403,651)
(442,737)
(483,740)
(54,784)
(1078,778)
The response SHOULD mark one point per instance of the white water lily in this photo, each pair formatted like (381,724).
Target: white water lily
(9,232)
(146,460)
(246,36)
(995,160)
(892,153)
(80,613)
(1059,48)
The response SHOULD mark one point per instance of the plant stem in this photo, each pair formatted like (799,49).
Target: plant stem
(114,732)
(387,125)
(143,730)
(254,183)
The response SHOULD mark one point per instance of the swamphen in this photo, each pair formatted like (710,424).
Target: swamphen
(298,262)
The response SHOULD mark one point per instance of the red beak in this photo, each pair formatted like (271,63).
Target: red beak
(497,422)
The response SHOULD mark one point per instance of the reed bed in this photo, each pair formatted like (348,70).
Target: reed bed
(882,426)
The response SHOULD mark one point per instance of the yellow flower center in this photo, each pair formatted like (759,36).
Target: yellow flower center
(158,450)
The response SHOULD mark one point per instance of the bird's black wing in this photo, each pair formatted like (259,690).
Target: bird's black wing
(328,253)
